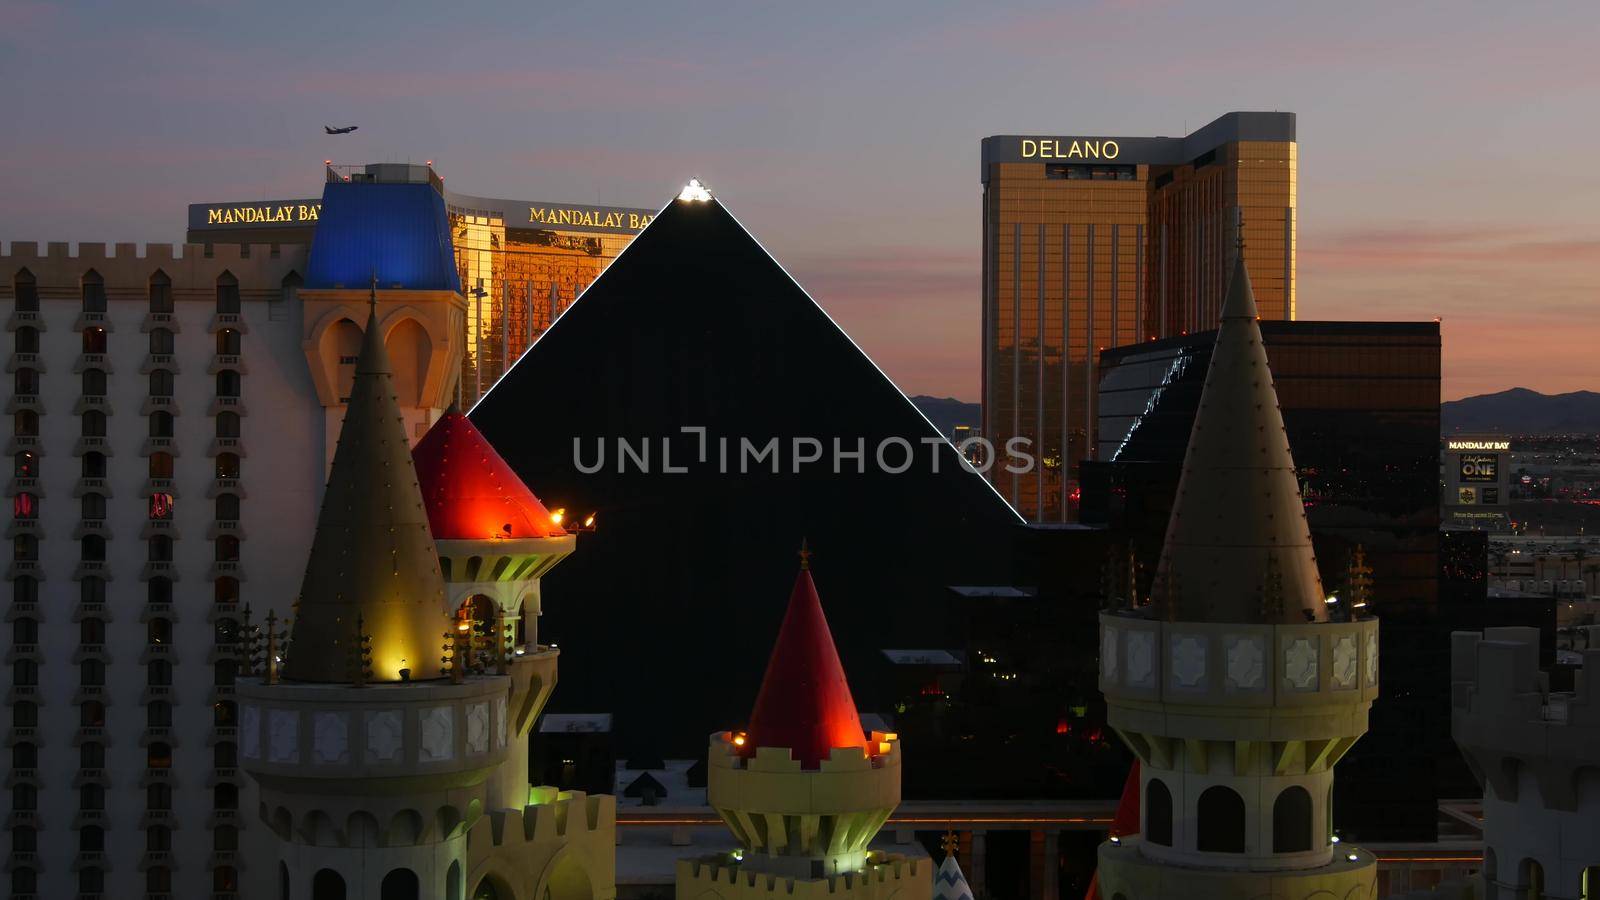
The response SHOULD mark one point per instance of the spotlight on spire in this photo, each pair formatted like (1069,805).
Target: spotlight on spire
(695,191)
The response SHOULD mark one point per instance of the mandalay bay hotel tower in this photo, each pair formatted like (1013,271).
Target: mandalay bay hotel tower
(1092,242)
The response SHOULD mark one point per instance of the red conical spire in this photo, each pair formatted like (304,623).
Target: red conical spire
(805,703)
(470,492)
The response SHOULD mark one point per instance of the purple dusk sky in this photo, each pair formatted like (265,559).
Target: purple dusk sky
(1447,149)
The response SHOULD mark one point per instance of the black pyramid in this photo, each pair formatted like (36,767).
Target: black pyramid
(666,613)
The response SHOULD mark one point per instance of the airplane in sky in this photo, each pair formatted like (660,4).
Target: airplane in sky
(345,130)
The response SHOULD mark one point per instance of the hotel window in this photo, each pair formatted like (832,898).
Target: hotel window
(225,672)
(228,507)
(225,796)
(227,548)
(160,548)
(25,590)
(94,465)
(159,631)
(91,881)
(92,590)
(225,590)
(94,340)
(24,756)
(227,294)
(94,423)
(92,714)
(227,383)
(161,465)
(159,590)
(92,797)
(228,342)
(225,838)
(94,382)
(24,840)
(160,383)
(25,506)
(158,839)
(227,425)
(24,798)
(158,714)
(225,755)
(160,294)
(92,755)
(224,714)
(25,548)
(94,292)
(92,631)
(227,465)
(25,465)
(161,424)
(160,506)
(27,291)
(158,756)
(25,631)
(92,839)
(92,673)
(93,506)
(25,423)
(161,342)
(25,673)
(159,673)
(24,714)
(158,880)
(27,381)
(27,340)
(158,796)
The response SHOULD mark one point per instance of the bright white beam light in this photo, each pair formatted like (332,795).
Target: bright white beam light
(695,191)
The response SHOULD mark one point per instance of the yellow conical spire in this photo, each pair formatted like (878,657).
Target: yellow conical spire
(1238,547)
(373,559)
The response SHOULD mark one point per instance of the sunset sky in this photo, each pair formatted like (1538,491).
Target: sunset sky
(1448,151)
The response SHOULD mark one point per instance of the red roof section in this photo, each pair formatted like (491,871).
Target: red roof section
(470,492)
(804,703)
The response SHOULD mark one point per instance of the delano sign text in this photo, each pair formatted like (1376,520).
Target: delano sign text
(1055,148)
(592,218)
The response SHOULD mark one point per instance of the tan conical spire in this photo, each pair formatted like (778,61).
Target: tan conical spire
(1238,522)
(373,559)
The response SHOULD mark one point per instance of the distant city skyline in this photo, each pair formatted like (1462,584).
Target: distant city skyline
(1444,170)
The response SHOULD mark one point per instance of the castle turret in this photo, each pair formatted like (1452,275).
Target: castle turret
(1232,688)
(803,789)
(391,754)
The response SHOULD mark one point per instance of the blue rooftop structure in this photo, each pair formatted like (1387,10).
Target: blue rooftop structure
(399,231)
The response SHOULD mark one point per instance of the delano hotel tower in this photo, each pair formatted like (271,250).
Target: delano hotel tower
(1092,242)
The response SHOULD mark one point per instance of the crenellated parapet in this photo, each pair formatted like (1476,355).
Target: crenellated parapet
(1537,754)
(883,876)
(128,267)
(561,842)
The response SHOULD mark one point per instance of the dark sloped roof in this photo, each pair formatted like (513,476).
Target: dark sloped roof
(398,231)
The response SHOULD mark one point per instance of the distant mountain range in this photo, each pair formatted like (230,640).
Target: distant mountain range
(1521,411)
(947,412)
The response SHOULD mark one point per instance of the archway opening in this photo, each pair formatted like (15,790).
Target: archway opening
(400,884)
(1220,821)
(327,885)
(568,881)
(1158,813)
(1291,821)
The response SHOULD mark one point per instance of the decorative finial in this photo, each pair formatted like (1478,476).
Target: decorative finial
(805,554)
(950,843)
(1238,228)
(372,293)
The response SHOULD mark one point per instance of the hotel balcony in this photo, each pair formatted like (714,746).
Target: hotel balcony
(221,321)
(226,445)
(29,567)
(154,652)
(92,568)
(87,817)
(87,692)
(87,733)
(25,319)
(225,858)
(157,611)
(91,609)
(92,486)
(159,568)
(159,486)
(23,609)
(24,818)
(159,404)
(87,859)
(153,527)
(87,527)
(221,692)
(92,401)
(221,733)
(158,734)
(157,776)
(160,445)
(166,818)
(88,319)
(92,444)
(101,361)
(96,775)
(155,320)
(22,651)
(33,361)
(18,734)
(152,858)
(226,486)
(20,442)
(226,568)
(224,526)
(20,484)
(228,775)
(227,404)
(158,692)
(18,776)
(223,817)
(154,361)
(20,402)
(220,361)
(20,859)
(18,527)
(225,610)
(22,692)
(90,651)
(225,651)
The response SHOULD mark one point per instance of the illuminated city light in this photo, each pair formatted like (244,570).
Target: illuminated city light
(695,192)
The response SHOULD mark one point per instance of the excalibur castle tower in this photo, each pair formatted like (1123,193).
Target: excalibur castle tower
(391,752)
(803,789)
(1233,688)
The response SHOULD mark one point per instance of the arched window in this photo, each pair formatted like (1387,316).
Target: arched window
(227,294)
(283,880)
(228,383)
(91,839)
(92,590)
(1220,821)
(159,590)
(94,292)
(158,880)
(94,340)
(158,673)
(94,465)
(160,294)
(1291,821)
(158,714)
(92,755)
(26,464)
(24,880)
(228,507)
(92,630)
(25,673)
(1158,813)
(225,796)
(92,673)
(94,424)
(24,756)
(161,383)
(225,590)
(228,342)
(161,465)
(27,381)
(25,631)
(92,797)
(224,713)
(227,549)
(158,796)
(25,590)
(227,424)
(158,839)
(24,839)
(400,884)
(92,548)
(227,465)
(327,885)
(224,838)
(160,547)
(92,506)
(91,880)
(225,672)
(92,714)
(24,714)
(159,631)
(1530,874)
(452,881)
(27,291)
(162,342)
(24,797)
(94,382)
(161,424)
(25,548)
(26,340)
(25,423)
(25,506)
(224,879)
(225,755)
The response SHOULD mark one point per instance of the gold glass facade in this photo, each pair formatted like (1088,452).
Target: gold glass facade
(1085,253)
(517,281)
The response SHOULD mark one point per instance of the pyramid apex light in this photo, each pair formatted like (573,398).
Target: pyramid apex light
(695,192)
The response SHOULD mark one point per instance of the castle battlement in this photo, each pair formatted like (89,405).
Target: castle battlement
(1508,721)
(884,747)
(563,817)
(58,271)
(95,251)
(883,875)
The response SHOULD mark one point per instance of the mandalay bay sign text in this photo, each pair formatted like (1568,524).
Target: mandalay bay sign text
(588,218)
